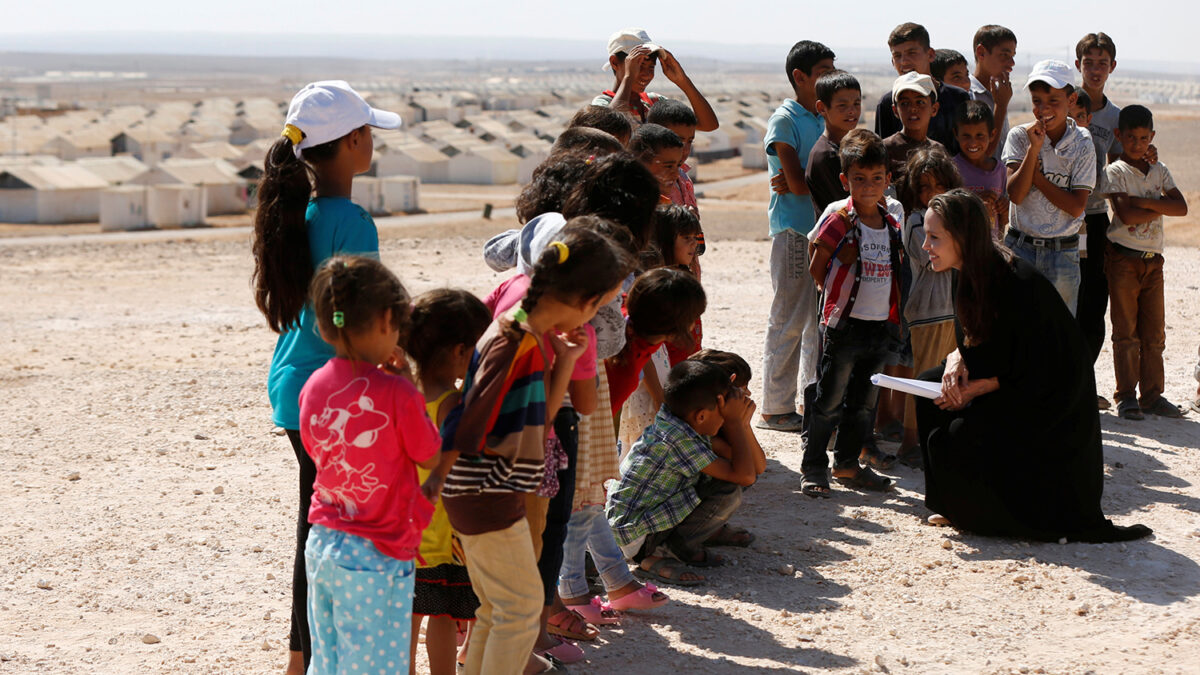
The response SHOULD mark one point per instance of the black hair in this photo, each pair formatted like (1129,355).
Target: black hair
(441,320)
(594,265)
(603,118)
(975,112)
(618,188)
(735,367)
(670,112)
(586,141)
(984,277)
(909,32)
(552,181)
(670,221)
(1082,99)
(665,301)
(694,385)
(834,81)
(651,139)
(1135,117)
(1099,41)
(932,160)
(348,293)
(803,56)
(1044,87)
(991,35)
(862,148)
(943,60)
(282,263)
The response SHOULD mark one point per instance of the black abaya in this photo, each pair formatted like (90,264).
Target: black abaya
(1026,460)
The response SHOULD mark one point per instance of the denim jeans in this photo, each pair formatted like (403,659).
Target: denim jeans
(792,338)
(589,531)
(359,605)
(843,397)
(1060,267)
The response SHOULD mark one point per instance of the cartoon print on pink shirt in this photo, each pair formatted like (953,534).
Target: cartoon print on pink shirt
(349,420)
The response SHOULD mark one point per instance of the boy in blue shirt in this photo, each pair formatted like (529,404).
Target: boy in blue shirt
(792,328)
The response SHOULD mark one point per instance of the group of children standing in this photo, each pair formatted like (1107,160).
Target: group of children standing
(590,424)
(855,293)
(478,507)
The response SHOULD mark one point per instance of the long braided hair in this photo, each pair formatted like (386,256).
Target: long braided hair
(350,292)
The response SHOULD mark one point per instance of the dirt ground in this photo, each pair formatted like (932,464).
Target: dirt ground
(152,504)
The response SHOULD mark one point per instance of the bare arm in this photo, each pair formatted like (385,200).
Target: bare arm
(650,377)
(793,170)
(583,395)
(740,469)
(816,267)
(1071,201)
(1020,177)
(1172,204)
(706,117)
(1127,212)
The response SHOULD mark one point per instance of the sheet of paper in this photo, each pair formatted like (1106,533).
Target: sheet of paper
(914,387)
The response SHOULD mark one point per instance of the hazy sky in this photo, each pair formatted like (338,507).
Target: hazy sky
(1160,30)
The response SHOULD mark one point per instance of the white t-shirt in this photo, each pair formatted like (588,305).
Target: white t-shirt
(1104,136)
(1121,177)
(875,287)
(894,208)
(1070,164)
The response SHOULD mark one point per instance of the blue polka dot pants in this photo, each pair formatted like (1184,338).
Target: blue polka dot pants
(359,605)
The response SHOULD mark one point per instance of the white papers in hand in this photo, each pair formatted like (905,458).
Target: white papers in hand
(914,387)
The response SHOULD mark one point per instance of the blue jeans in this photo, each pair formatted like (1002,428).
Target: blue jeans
(359,605)
(1060,267)
(843,397)
(589,531)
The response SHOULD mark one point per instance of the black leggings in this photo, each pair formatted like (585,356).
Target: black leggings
(299,639)
(566,427)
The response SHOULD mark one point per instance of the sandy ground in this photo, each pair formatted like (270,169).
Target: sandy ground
(151,500)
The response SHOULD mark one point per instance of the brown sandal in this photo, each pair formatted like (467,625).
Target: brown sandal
(566,624)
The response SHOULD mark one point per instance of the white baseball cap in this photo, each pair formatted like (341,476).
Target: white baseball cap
(327,110)
(1055,73)
(626,39)
(914,81)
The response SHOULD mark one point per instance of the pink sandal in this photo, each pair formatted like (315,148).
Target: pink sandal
(563,651)
(597,612)
(643,598)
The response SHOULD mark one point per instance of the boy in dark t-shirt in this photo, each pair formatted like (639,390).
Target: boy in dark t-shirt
(839,103)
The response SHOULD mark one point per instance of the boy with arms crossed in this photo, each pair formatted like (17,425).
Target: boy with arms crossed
(791,328)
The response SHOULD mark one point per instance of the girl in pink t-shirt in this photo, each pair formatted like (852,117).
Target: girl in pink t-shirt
(365,426)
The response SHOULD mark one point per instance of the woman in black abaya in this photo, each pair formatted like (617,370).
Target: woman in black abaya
(1012,448)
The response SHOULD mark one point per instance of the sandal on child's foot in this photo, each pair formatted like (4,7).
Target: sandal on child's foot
(864,479)
(570,625)
(597,612)
(1129,410)
(736,537)
(669,571)
(563,651)
(646,597)
(814,486)
(876,458)
(938,520)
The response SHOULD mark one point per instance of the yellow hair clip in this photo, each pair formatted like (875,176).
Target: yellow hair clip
(563,251)
(293,134)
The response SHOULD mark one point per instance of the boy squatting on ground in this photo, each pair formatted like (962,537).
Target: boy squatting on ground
(858,262)
(1051,170)
(632,56)
(791,342)
(909,44)
(1141,194)
(675,492)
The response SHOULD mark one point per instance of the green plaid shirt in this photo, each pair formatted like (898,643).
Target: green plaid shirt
(657,489)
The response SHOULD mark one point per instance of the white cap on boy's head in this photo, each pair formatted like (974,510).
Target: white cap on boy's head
(626,39)
(1055,73)
(325,111)
(914,81)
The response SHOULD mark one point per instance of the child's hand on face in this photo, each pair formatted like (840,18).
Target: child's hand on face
(1151,155)
(1037,134)
(397,364)
(634,60)
(1001,90)
(733,407)
(568,347)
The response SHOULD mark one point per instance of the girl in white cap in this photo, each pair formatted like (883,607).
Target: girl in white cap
(304,217)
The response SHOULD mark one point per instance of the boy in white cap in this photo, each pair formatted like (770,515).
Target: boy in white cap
(1051,171)
(914,100)
(631,56)
(909,46)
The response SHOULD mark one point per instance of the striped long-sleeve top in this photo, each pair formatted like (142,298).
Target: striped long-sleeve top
(499,431)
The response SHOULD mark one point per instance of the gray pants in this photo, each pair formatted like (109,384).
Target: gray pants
(718,500)
(791,350)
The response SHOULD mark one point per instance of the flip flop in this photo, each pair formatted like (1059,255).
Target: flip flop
(563,651)
(663,564)
(597,612)
(560,625)
(643,598)
(789,422)
(865,479)
(815,487)
(1163,408)
(736,537)
(710,559)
